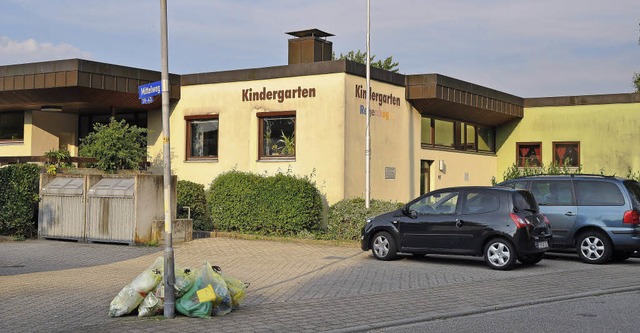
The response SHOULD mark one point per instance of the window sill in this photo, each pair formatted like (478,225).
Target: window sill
(277,159)
(202,160)
(11,142)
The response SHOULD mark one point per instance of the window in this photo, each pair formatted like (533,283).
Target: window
(566,154)
(456,135)
(480,202)
(12,126)
(552,192)
(595,193)
(86,122)
(436,203)
(202,137)
(277,132)
(529,154)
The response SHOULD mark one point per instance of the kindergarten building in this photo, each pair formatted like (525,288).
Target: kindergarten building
(308,118)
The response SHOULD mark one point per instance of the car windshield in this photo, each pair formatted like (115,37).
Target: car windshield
(634,188)
(524,201)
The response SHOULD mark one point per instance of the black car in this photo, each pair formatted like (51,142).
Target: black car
(501,224)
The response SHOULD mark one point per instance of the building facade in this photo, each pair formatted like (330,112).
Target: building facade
(308,118)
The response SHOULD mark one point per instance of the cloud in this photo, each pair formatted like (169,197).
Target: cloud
(30,50)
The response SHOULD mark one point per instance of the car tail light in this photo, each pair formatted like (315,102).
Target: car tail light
(631,217)
(546,220)
(519,221)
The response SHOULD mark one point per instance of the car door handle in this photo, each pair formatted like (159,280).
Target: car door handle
(570,213)
(459,223)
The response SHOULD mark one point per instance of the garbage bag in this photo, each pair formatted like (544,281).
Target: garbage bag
(198,301)
(133,293)
(223,303)
(237,290)
(153,303)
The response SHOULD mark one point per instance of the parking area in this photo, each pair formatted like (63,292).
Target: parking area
(60,286)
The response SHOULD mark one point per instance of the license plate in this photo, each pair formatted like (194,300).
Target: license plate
(542,245)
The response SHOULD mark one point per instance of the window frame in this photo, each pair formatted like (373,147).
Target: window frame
(560,162)
(460,137)
(518,158)
(188,136)
(275,114)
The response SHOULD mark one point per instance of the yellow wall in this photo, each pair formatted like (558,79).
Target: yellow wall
(608,136)
(319,130)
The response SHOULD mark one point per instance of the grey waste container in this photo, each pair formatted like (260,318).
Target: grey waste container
(62,208)
(122,209)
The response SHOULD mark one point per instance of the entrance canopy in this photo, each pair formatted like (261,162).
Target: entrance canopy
(77,86)
(441,96)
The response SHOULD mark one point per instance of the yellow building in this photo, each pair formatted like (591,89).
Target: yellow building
(308,118)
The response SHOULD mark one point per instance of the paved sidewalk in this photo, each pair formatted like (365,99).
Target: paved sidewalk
(51,286)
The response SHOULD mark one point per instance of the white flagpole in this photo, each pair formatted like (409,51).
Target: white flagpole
(367,151)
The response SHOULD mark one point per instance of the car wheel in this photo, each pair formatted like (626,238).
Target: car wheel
(594,247)
(531,259)
(383,246)
(499,254)
(621,255)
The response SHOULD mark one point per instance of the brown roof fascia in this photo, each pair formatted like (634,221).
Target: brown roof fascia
(582,100)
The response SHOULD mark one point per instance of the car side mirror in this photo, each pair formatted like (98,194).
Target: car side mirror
(413,214)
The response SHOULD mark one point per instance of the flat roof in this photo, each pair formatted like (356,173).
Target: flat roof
(77,86)
(582,100)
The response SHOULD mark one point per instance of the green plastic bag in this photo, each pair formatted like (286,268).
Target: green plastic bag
(195,302)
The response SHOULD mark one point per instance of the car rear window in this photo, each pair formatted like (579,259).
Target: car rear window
(597,193)
(480,202)
(524,201)
(634,189)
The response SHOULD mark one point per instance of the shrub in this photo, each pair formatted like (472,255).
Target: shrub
(192,195)
(116,146)
(277,205)
(18,199)
(514,171)
(348,216)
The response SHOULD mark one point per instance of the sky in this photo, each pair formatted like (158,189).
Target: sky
(527,48)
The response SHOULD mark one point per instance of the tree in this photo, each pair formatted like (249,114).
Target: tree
(636,81)
(361,57)
(116,146)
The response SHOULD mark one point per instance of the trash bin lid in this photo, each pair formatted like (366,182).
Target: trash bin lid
(64,186)
(113,187)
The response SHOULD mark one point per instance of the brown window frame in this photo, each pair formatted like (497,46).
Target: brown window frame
(560,162)
(274,114)
(460,138)
(520,159)
(188,120)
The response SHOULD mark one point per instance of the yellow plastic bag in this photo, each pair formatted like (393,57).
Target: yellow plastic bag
(134,293)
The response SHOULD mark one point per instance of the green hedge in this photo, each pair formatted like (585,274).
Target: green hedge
(18,200)
(279,205)
(192,195)
(348,216)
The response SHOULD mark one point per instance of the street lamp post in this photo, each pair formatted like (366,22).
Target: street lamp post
(367,149)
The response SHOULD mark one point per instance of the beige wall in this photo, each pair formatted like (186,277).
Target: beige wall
(608,136)
(319,130)
(52,131)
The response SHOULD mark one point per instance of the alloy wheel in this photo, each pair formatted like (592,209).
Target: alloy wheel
(592,248)
(381,246)
(498,254)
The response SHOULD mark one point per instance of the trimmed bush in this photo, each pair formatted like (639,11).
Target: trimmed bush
(279,205)
(18,200)
(348,216)
(192,195)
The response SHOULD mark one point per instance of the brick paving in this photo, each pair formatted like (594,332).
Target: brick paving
(52,286)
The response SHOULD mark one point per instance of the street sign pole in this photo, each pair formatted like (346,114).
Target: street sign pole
(169,273)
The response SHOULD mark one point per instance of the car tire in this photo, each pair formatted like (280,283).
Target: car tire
(594,247)
(531,259)
(621,255)
(500,254)
(383,246)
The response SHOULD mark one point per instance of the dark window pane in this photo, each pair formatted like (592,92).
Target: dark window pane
(204,138)
(481,202)
(552,193)
(634,188)
(529,154)
(524,200)
(437,203)
(278,136)
(425,131)
(486,138)
(566,154)
(595,193)
(12,126)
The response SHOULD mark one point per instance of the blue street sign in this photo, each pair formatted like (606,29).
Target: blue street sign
(149,90)
(147,100)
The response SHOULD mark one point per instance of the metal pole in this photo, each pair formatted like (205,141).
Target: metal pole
(169,273)
(367,151)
